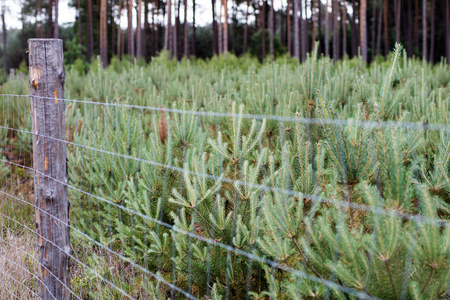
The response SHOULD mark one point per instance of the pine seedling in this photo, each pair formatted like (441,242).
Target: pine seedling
(397,164)
(430,247)
(350,148)
(438,177)
(388,101)
(386,246)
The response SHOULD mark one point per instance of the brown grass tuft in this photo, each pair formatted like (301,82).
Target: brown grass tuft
(162,126)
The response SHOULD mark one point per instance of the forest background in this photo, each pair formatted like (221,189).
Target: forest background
(142,28)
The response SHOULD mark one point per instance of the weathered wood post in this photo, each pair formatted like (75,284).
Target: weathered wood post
(47,76)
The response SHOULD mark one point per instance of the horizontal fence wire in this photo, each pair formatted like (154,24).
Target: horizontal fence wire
(94,217)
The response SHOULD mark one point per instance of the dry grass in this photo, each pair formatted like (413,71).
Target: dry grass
(17,265)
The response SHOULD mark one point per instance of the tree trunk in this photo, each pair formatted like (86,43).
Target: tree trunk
(319,25)
(380,21)
(104,33)
(296,30)
(386,31)
(50,30)
(363,29)
(409,31)
(5,66)
(344,30)
(139,29)
(113,29)
(432,33)
(263,29)
(225,27)
(424,30)
(79,21)
(156,28)
(220,33)
(214,26)
(314,23)
(56,26)
(146,30)
(374,26)
(271,23)
(246,28)
(90,47)
(416,24)
(288,21)
(447,30)
(168,26)
(119,31)
(398,11)
(335,30)
(130,33)
(186,30)
(176,35)
(304,31)
(327,29)
(50,164)
(193,28)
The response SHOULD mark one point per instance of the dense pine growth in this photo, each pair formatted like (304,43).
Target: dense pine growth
(348,184)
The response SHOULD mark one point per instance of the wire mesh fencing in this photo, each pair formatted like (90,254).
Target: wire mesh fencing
(184,203)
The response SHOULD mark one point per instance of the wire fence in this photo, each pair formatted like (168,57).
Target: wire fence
(174,203)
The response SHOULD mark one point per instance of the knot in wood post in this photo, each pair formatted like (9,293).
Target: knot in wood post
(47,75)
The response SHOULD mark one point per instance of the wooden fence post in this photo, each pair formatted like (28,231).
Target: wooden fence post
(47,77)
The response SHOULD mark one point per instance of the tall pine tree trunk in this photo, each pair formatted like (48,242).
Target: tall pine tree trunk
(193,28)
(225,27)
(409,31)
(79,21)
(335,30)
(373,29)
(288,25)
(175,36)
(296,30)
(56,26)
(314,23)
(156,28)
(398,10)
(168,26)
(424,30)
(50,29)
(130,33)
(104,33)
(344,30)
(447,30)
(386,31)
(327,29)
(246,28)
(220,30)
(263,29)
(416,24)
(380,21)
(90,47)
(319,25)
(432,33)
(146,31)
(119,32)
(5,66)
(139,30)
(363,29)
(271,24)
(186,30)
(304,31)
(214,26)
